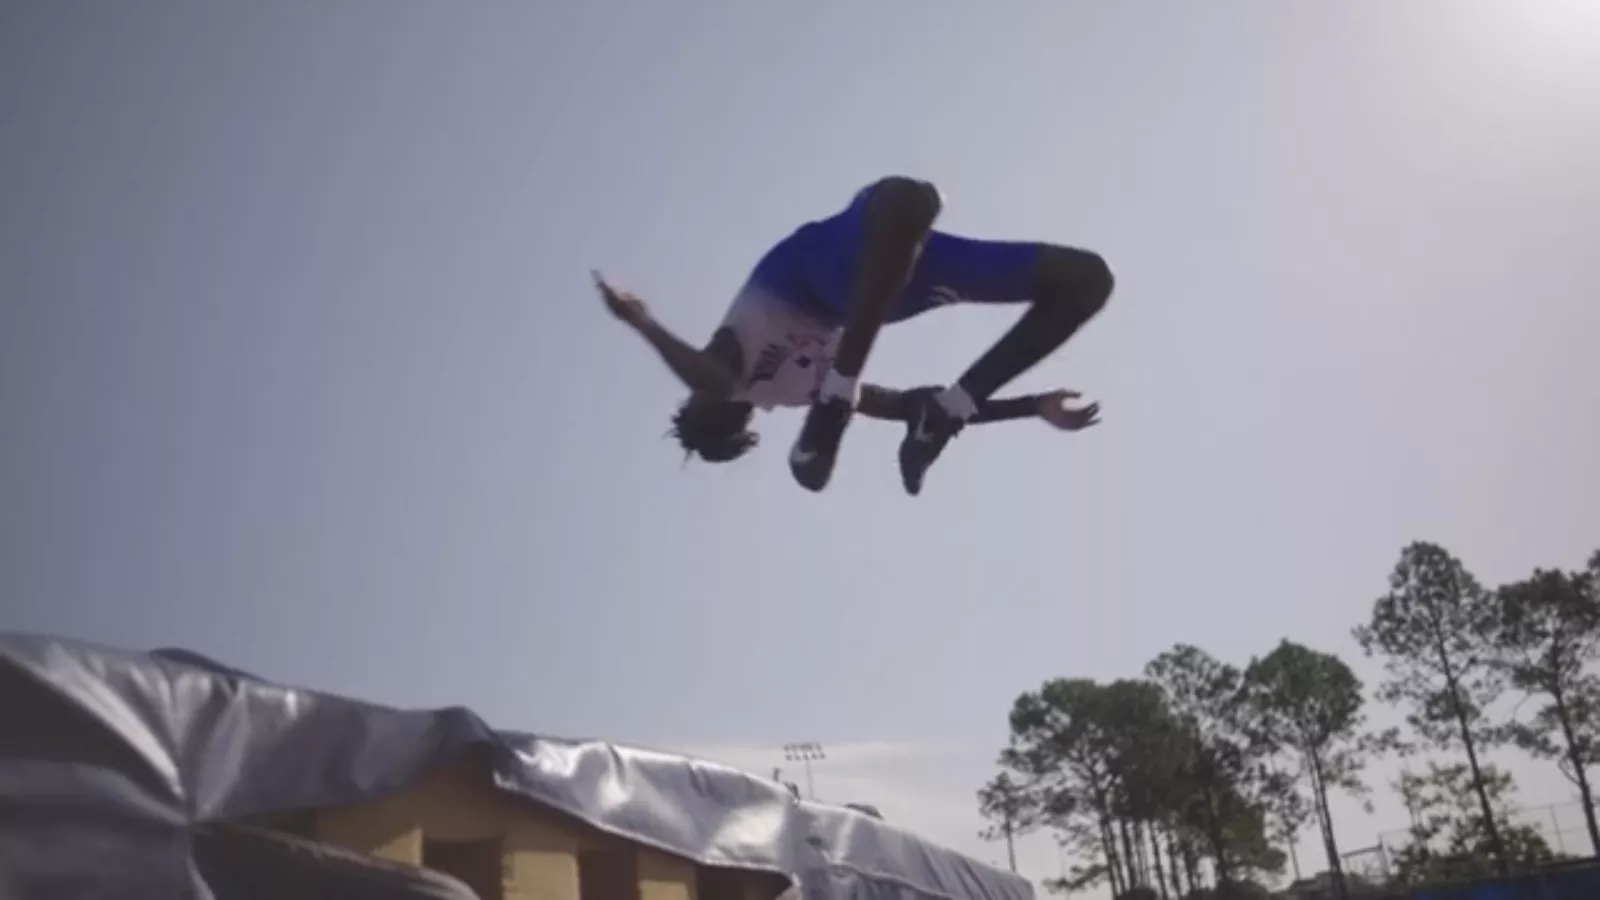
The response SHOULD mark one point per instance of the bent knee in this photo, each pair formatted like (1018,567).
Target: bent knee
(904,203)
(1075,278)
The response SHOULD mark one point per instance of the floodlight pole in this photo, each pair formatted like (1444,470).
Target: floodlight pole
(805,753)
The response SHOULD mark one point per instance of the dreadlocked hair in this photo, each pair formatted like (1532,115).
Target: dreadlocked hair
(715,432)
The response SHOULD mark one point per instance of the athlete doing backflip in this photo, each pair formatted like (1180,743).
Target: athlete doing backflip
(800,330)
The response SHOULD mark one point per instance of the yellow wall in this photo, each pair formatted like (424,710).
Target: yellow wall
(458,804)
(663,877)
(541,848)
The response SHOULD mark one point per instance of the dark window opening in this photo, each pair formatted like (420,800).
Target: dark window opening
(609,873)
(477,864)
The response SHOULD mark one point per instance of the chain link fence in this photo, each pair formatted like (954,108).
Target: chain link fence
(1374,869)
(1369,864)
(1560,824)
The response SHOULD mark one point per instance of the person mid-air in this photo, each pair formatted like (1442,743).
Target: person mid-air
(800,330)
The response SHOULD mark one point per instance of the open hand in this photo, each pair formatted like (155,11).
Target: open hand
(619,303)
(1054,409)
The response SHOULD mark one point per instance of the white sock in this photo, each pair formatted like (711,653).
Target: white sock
(957,402)
(838,386)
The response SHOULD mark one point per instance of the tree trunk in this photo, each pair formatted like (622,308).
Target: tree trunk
(1108,837)
(1219,844)
(1130,831)
(1132,859)
(1144,856)
(1491,829)
(1173,858)
(1191,866)
(1155,861)
(1319,787)
(1113,864)
(1578,766)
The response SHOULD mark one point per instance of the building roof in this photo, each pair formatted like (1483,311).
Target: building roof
(134,753)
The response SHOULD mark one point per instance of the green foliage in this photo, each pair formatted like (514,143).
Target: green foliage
(1288,811)
(1248,849)
(1061,744)
(1309,703)
(1432,630)
(1149,781)
(1450,841)
(1063,737)
(1011,810)
(1201,691)
(1547,635)
(1138,773)
(1080,877)
(1143,755)
(1218,765)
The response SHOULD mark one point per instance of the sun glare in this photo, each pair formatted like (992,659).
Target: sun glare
(1564,26)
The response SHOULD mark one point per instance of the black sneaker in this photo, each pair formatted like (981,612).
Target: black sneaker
(928,428)
(817,448)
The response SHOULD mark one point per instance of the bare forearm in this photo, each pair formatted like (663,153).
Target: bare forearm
(698,371)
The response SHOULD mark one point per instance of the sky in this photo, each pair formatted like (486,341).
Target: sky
(301,367)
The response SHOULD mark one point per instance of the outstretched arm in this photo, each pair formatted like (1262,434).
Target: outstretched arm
(702,371)
(879,402)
